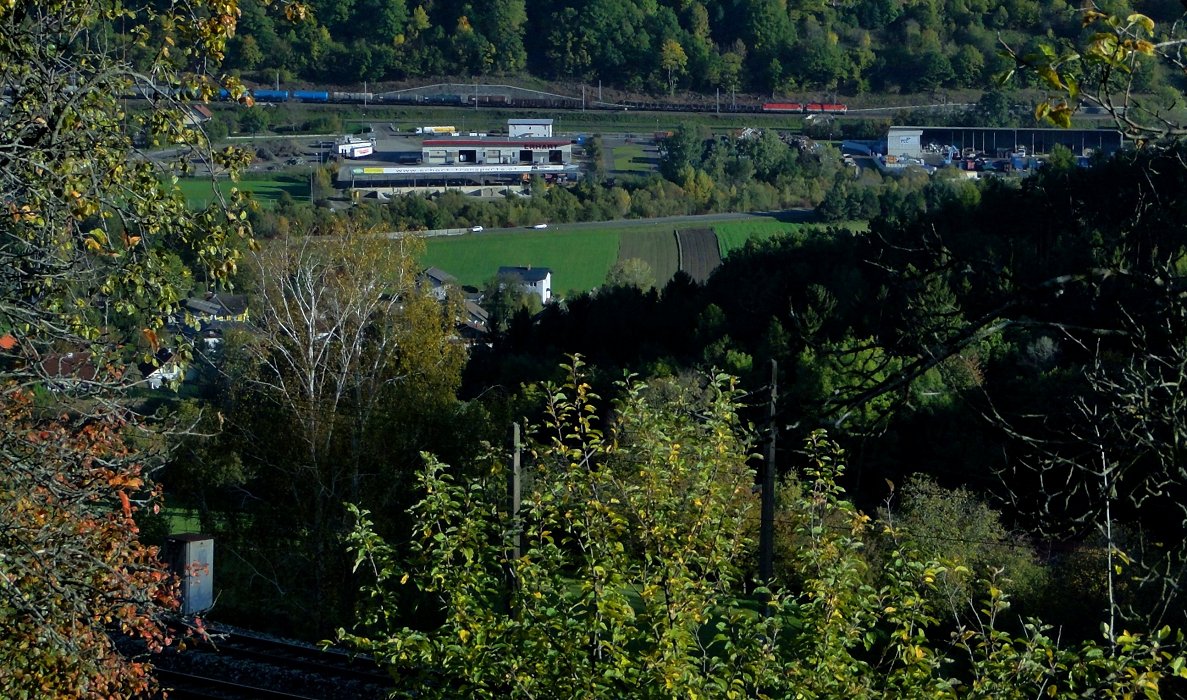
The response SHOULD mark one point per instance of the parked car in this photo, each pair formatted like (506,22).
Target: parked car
(540,226)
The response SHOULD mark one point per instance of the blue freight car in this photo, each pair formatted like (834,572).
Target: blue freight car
(270,95)
(311,96)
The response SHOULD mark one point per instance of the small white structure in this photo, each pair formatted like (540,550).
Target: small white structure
(539,128)
(533,280)
(191,558)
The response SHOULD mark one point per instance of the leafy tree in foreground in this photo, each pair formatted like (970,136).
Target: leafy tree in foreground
(625,575)
(1109,69)
(89,240)
(71,566)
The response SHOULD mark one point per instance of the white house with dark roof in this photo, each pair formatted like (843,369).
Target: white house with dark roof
(438,282)
(533,280)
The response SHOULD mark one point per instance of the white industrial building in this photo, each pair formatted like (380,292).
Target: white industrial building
(529,128)
(914,141)
(491,151)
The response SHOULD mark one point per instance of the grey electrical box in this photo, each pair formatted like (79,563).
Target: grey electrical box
(191,557)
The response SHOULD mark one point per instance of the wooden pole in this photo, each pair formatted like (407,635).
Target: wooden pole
(766,535)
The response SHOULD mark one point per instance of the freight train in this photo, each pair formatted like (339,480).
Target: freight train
(506,101)
(805,107)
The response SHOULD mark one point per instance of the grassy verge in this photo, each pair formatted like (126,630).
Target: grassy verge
(265,189)
(633,158)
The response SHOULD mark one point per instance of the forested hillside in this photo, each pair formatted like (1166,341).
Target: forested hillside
(768,46)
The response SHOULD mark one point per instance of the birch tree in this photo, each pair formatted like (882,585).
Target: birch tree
(348,347)
(89,231)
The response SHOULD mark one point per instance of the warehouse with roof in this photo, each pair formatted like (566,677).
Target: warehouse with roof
(489,150)
(913,141)
(472,163)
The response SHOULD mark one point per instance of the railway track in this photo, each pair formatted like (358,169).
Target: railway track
(233,664)
(309,659)
(188,686)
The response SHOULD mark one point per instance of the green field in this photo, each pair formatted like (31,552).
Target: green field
(579,260)
(656,246)
(265,189)
(733,235)
(632,158)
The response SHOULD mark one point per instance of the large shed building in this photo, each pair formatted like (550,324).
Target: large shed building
(914,141)
(496,151)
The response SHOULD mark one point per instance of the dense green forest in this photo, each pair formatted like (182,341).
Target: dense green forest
(764,46)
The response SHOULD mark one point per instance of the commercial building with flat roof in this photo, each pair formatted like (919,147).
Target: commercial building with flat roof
(360,176)
(496,151)
(912,141)
(535,128)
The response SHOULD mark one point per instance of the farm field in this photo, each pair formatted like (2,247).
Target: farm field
(655,246)
(733,235)
(265,189)
(579,260)
(699,254)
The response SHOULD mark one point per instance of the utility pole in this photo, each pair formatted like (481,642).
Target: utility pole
(766,532)
(515,491)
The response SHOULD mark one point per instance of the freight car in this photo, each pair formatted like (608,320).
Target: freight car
(270,95)
(307,96)
(793,107)
(809,108)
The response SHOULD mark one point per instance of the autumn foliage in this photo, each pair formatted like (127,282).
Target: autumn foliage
(74,576)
